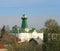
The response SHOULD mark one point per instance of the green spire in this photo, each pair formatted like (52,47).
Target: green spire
(24,22)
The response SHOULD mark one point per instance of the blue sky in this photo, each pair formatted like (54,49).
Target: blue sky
(40,10)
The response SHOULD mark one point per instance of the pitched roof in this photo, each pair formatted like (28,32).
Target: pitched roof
(37,40)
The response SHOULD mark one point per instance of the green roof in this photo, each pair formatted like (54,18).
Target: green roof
(30,31)
(23,31)
(14,31)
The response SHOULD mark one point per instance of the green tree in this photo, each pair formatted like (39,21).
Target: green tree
(51,23)
(58,30)
(51,26)
(14,27)
(2,31)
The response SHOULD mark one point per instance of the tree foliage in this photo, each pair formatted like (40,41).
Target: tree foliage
(14,27)
(51,23)
(51,26)
(2,31)
(51,36)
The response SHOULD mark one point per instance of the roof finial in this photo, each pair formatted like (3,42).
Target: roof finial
(24,15)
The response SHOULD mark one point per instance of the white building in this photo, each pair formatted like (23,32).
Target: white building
(25,34)
(28,36)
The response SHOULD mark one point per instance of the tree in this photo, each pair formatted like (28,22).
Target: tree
(58,30)
(42,30)
(7,29)
(2,31)
(14,27)
(51,36)
(51,23)
(51,26)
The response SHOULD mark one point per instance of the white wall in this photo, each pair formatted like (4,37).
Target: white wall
(24,36)
(28,36)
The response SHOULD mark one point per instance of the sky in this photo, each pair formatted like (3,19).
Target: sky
(37,11)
